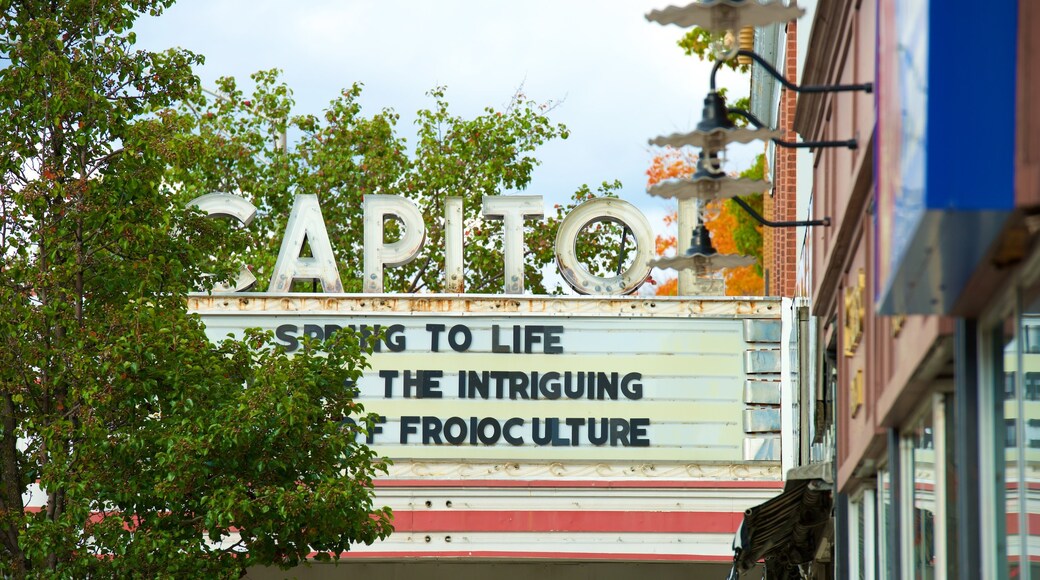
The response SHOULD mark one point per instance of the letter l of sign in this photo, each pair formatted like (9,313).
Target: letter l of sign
(305,223)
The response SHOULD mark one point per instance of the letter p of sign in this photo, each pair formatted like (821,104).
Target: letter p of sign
(378,253)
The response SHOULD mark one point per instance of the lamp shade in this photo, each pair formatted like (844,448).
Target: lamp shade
(703,263)
(708,188)
(716,140)
(715,130)
(720,15)
(713,115)
(702,256)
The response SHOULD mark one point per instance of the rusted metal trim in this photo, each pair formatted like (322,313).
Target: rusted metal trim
(487,305)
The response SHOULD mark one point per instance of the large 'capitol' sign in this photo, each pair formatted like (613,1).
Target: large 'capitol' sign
(306,223)
(471,377)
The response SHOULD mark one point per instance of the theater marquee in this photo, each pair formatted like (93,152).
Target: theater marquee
(540,379)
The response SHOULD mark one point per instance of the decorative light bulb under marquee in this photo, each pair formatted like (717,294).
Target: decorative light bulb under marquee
(707,188)
(720,15)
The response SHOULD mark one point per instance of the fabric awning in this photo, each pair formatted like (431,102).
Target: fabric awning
(786,530)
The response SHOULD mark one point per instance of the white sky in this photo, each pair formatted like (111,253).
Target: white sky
(622,79)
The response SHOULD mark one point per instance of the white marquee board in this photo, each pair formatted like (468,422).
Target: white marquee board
(534,379)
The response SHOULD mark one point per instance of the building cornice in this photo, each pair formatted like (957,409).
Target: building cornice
(824,58)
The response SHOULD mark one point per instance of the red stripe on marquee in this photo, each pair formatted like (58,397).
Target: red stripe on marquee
(538,555)
(567,521)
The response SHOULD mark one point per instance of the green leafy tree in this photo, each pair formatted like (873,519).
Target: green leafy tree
(234,144)
(747,233)
(154,452)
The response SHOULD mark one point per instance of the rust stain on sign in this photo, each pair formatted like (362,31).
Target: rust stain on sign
(707,307)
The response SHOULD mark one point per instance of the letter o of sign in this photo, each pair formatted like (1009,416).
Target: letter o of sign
(612,210)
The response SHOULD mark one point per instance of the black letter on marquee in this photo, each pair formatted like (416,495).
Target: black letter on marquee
(408,427)
(313,331)
(467,338)
(456,423)
(287,334)
(639,436)
(431,430)
(495,346)
(388,376)
(435,336)
(496,430)
(377,427)
(507,433)
(395,337)
(552,340)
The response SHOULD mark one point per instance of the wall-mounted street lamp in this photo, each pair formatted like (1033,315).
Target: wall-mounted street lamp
(707,183)
(716,130)
(702,257)
(723,18)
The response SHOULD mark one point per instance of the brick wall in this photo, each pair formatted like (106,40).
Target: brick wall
(779,244)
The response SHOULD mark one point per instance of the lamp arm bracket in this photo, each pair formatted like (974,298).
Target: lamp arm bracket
(848,143)
(825,222)
(865,87)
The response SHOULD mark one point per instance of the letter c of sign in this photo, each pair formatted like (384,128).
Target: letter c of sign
(604,210)
(236,207)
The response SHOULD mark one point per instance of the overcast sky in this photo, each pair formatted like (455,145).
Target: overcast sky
(621,79)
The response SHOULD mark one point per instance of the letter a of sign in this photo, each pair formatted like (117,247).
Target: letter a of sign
(305,223)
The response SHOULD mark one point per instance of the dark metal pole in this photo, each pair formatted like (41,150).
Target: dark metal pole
(849,143)
(841,536)
(846,143)
(966,449)
(895,496)
(621,249)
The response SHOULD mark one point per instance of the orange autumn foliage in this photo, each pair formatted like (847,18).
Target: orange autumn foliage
(741,281)
(720,221)
(671,164)
(669,287)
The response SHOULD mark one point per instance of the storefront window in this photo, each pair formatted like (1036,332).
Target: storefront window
(1010,437)
(1019,431)
(884,523)
(1027,405)
(922,468)
(862,536)
(947,461)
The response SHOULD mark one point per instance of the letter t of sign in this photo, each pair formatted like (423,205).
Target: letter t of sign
(513,209)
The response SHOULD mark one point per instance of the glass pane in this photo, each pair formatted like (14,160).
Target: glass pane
(1010,436)
(1028,402)
(884,522)
(952,487)
(861,544)
(923,470)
